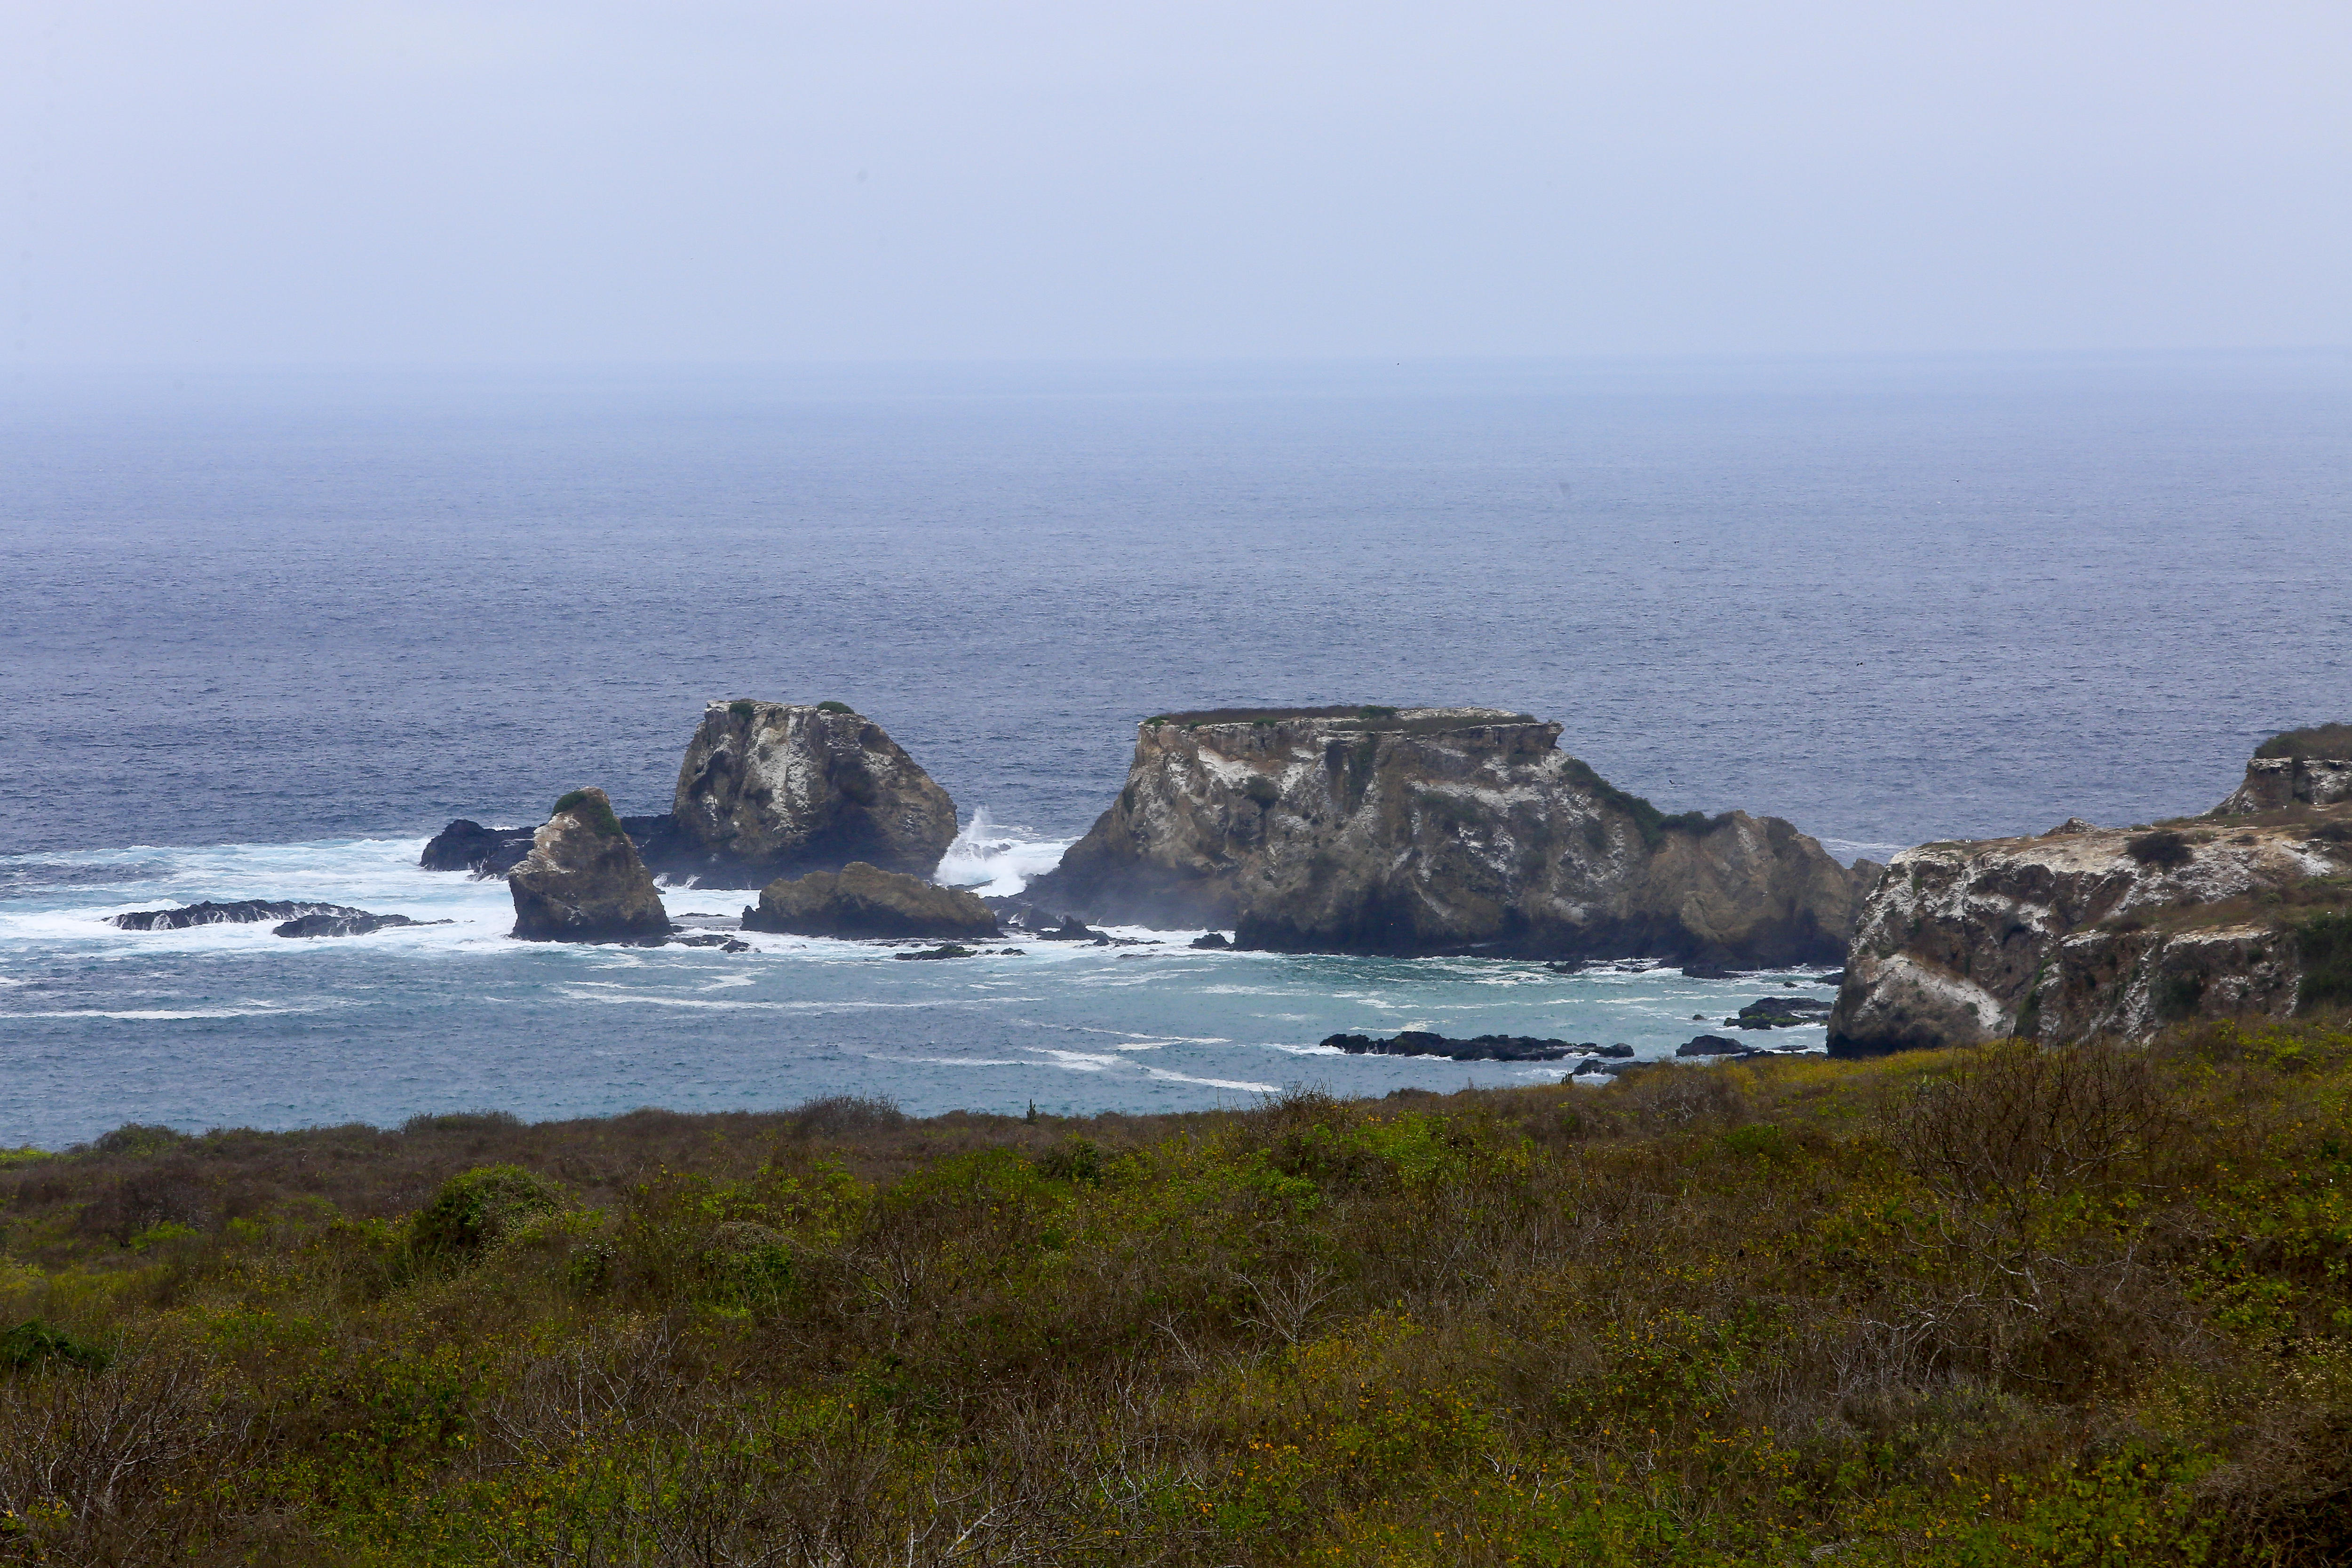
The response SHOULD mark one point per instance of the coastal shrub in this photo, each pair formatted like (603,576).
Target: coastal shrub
(139,1140)
(1373,711)
(833,1115)
(2324,740)
(831,707)
(34,1344)
(2078,1306)
(2324,945)
(476,1209)
(2162,851)
(598,812)
(743,708)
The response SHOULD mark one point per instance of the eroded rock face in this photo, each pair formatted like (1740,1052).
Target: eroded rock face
(2279,784)
(2088,932)
(771,789)
(862,901)
(1436,830)
(582,880)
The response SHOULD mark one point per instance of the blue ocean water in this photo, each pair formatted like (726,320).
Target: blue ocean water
(260,632)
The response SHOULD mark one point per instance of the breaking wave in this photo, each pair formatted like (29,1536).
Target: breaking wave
(995,862)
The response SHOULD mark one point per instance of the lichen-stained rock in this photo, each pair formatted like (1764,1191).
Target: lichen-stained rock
(862,901)
(1435,830)
(582,880)
(771,789)
(2085,932)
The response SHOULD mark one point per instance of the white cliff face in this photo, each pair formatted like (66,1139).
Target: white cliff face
(767,788)
(1432,830)
(2088,932)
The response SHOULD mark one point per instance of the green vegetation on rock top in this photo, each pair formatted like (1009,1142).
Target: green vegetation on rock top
(2005,1305)
(831,707)
(2327,740)
(597,812)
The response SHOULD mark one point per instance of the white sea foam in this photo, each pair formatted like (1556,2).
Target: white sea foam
(996,861)
(1242,1084)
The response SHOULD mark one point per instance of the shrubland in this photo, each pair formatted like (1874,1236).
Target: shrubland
(2003,1305)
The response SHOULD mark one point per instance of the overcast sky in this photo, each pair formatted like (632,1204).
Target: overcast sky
(389,181)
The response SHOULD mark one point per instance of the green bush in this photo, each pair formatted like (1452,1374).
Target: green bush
(34,1343)
(2325,944)
(476,1209)
(597,813)
(829,707)
(2330,741)
(743,708)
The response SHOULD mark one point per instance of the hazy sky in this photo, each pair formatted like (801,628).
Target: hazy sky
(395,181)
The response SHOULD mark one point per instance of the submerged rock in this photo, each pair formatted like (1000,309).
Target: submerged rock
(1436,830)
(354,923)
(582,880)
(245,911)
(862,901)
(774,789)
(2104,931)
(468,846)
(1478,1049)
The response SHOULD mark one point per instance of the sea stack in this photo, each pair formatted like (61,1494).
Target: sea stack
(2085,932)
(862,901)
(1432,830)
(582,880)
(776,789)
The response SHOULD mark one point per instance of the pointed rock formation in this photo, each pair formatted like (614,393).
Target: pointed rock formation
(862,901)
(582,880)
(771,789)
(1436,830)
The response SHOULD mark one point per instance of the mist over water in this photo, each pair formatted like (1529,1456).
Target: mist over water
(261,633)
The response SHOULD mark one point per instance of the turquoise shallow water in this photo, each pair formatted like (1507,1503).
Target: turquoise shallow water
(232,1025)
(284,626)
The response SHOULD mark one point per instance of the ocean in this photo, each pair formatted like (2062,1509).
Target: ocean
(260,632)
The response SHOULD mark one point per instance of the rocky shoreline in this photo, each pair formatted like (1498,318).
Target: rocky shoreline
(1464,831)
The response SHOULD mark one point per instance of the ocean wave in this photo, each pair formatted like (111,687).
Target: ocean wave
(993,861)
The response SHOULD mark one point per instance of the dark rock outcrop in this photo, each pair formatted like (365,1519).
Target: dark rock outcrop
(356,922)
(945,950)
(1781,1013)
(1478,1048)
(1436,830)
(2098,932)
(862,901)
(245,911)
(1212,941)
(582,880)
(775,789)
(468,846)
(1710,1046)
